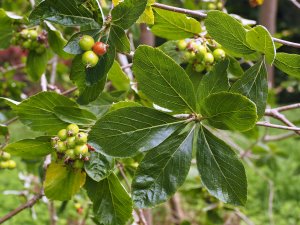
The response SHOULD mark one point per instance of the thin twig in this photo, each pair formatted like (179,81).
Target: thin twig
(69,91)
(16,67)
(296,3)
(288,107)
(267,124)
(44,82)
(53,70)
(26,205)
(279,137)
(243,217)
(203,15)
(11,121)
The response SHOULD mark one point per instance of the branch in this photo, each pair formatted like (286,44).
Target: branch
(297,4)
(202,15)
(288,107)
(278,137)
(69,91)
(26,205)
(267,124)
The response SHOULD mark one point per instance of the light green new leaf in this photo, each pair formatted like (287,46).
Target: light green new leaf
(36,64)
(163,81)
(126,131)
(37,112)
(213,82)
(62,182)
(66,13)
(111,202)
(228,32)
(254,85)
(174,26)
(99,166)
(30,148)
(222,173)
(147,16)
(71,114)
(261,40)
(118,78)
(163,170)
(127,12)
(288,63)
(119,39)
(229,111)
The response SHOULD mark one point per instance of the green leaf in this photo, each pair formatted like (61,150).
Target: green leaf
(163,81)
(288,63)
(72,47)
(229,111)
(222,173)
(119,39)
(234,67)
(123,104)
(163,170)
(261,40)
(215,81)
(170,48)
(254,85)
(66,13)
(36,64)
(57,42)
(228,32)
(30,148)
(99,166)
(6,29)
(148,15)
(111,202)
(127,12)
(71,114)
(174,26)
(10,102)
(3,130)
(37,112)
(118,78)
(126,131)
(91,81)
(62,182)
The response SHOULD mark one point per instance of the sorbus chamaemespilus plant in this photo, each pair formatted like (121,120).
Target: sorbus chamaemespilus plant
(71,146)
(6,162)
(90,59)
(86,42)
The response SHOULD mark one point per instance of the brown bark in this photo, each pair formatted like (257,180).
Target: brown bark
(147,37)
(267,18)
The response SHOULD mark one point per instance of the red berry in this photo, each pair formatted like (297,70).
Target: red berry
(100,48)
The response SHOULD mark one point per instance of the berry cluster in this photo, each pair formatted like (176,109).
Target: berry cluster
(71,146)
(32,40)
(6,162)
(213,5)
(92,50)
(201,55)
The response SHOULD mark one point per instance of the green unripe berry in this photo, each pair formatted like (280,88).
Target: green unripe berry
(11,164)
(211,6)
(78,164)
(4,165)
(54,141)
(27,44)
(24,33)
(33,34)
(89,59)
(72,129)
(61,146)
(81,138)
(5,156)
(189,56)
(81,149)
(208,58)
(200,52)
(86,42)
(70,154)
(181,45)
(219,54)
(71,142)
(199,68)
(62,134)
(219,5)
